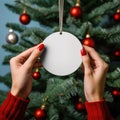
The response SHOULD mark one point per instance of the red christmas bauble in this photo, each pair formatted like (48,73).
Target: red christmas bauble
(76,11)
(80,106)
(117,16)
(117,53)
(25,18)
(88,42)
(116,93)
(39,114)
(36,75)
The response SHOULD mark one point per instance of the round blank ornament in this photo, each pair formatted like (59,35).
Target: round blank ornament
(61,55)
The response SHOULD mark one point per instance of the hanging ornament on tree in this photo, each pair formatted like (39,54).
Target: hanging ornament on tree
(12,37)
(117,53)
(117,15)
(76,11)
(25,18)
(116,93)
(36,74)
(80,106)
(40,113)
(65,43)
(88,41)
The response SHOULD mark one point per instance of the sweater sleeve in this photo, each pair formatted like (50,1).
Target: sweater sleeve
(13,108)
(98,110)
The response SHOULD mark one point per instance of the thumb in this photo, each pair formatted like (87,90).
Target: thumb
(86,62)
(34,55)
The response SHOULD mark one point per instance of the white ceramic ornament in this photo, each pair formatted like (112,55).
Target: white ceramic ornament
(61,55)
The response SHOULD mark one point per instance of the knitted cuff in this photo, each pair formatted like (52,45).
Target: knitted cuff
(13,108)
(98,110)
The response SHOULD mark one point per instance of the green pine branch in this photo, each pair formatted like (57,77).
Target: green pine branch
(65,88)
(46,3)
(7,59)
(17,27)
(14,48)
(102,10)
(13,8)
(39,33)
(26,43)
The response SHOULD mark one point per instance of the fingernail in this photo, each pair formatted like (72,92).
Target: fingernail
(41,47)
(83,51)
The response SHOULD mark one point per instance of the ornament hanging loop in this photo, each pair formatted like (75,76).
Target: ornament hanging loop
(25,10)
(61,7)
(77,3)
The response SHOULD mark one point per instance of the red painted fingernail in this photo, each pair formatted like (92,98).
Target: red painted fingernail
(83,51)
(41,47)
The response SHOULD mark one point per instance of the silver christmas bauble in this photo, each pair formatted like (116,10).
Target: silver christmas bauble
(12,38)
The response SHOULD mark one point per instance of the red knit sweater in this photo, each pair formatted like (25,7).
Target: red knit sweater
(13,108)
(98,110)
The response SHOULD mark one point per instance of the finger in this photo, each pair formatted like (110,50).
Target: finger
(34,55)
(25,54)
(82,67)
(86,62)
(16,61)
(93,54)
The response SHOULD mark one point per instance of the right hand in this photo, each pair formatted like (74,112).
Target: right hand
(95,70)
(21,69)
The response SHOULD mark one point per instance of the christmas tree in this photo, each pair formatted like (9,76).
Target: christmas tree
(95,23)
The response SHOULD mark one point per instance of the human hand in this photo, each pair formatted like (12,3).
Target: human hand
(95,70)
(21,70)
